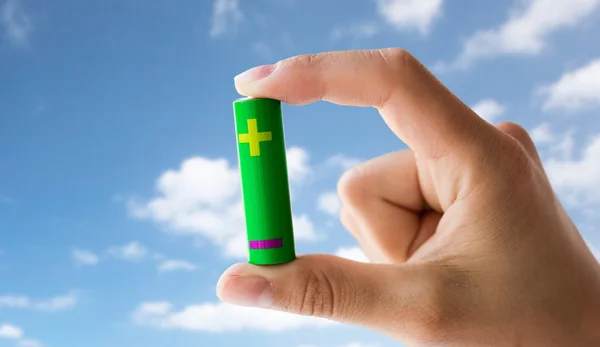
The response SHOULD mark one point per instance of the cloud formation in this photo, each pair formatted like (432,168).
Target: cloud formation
(16,23)
(410,14)
(9,331)
(489,109)
(329,203)
(578,89)
(352,253)
(133,251)
(525,32)
(84,257)
(30,343)
(577,180)
(401,15)
(176,265)
(343,161)
(57,303)
(12,332)
(542,134)
(203,198)
(226,17)
(220,318)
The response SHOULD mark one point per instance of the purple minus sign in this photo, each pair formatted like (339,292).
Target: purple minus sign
(264,244)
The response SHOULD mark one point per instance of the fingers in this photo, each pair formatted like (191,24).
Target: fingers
(382,205)
(414,104)
(385,232)
(373,295)
(392,177)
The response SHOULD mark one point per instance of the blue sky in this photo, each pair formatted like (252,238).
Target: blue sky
(119,194)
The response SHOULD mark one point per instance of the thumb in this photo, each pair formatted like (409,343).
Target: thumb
(329,287)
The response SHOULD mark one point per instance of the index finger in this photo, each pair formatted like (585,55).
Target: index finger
(417,107)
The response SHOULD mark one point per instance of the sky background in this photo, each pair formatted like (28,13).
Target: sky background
(119,189)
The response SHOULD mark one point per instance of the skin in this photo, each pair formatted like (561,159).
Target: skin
(468,243)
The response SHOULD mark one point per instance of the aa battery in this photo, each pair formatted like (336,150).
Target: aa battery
(264,180)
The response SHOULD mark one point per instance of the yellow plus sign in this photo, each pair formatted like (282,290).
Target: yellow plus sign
(254,138)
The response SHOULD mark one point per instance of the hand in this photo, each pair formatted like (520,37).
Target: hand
(468,243)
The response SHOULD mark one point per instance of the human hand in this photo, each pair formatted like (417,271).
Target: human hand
(468,243)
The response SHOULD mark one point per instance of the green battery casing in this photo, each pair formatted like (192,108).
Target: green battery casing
(264,180)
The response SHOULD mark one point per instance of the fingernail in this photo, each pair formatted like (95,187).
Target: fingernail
(255,73)
(252,291)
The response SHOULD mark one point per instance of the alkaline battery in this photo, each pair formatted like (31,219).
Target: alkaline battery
(264,180)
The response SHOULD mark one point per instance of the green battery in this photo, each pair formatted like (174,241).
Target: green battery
(264,180)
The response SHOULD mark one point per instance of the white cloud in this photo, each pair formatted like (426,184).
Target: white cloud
(578,89)
(57,303)
(488,109)
(542,134)
(15,22)
(526,31)
(329,203)
(352,253)
(402,15)
(133,251)
(12,332)
(203,198)
(298,166)
(226,17)
(84,257)
(303,228)
(236,245)
(564,145)
(220,318)
(176,265)
(13,301)
(8,331)
(199,181)
(343,162)
(30,343)
(410,14)
(561,144)
(577,180)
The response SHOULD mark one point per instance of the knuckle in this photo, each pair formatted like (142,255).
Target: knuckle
(353,186)
(517,131)
(307,60)
(317,297)
(520,166)
(508,162)
(394,62)
(522,139)
(397,58)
